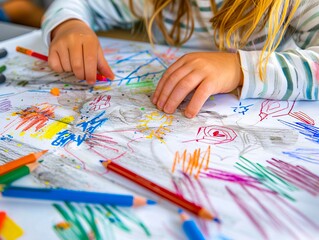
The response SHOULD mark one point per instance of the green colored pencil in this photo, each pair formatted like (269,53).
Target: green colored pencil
(18,173)
(3,68)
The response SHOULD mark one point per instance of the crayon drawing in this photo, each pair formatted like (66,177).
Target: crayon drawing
(253,163)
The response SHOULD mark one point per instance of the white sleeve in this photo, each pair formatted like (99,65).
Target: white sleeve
(98,14)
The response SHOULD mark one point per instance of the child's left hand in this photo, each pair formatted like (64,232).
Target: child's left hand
(208,73)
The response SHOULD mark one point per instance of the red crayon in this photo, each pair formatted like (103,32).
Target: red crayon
(31,53)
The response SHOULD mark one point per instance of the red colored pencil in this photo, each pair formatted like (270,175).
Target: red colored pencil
(2,218)
(31,53)
(165,193)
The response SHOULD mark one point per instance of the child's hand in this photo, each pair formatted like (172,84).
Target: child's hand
(75,48)
(207,73)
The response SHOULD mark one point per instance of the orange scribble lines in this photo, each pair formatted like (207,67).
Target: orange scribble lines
(36,116)
(192,163)
(150,125)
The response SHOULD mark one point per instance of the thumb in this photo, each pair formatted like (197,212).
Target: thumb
(103,67)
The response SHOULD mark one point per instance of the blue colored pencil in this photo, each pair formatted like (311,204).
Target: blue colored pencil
(66,195)
(190,228)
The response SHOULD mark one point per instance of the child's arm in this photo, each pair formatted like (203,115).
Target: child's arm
(290,75)
(293,73)
(74,46)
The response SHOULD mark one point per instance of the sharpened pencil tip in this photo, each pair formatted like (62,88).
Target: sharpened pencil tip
(150,202)
(102,161)
(216,220)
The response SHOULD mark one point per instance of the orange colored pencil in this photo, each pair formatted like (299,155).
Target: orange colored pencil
(30,158)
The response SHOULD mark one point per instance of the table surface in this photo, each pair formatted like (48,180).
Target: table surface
(11,30)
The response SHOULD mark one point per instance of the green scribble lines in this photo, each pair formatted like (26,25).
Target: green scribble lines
(98,222)
(266,177)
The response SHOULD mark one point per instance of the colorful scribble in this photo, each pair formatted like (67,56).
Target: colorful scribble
(296,175)
(236,178)
(49,131)
(101,102)
(192,163)
(267,213)
(266,177)
(95,222)
(155,125)
(7,138)
(5,105)
(35,116)
(242,109)
(309,131)
(276,108)
(87,128)
(192,187)
(305,154)
(214,135)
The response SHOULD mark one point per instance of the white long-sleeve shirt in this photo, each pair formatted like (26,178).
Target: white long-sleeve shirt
(292,71)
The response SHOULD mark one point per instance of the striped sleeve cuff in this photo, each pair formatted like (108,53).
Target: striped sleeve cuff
(288,76)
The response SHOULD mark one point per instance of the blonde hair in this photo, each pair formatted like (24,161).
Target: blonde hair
(233,23)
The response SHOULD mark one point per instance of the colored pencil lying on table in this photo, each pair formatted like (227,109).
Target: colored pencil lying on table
(66,195)
(2,218)
(3,68)
(159,190)
(2,76)
(190,228)
(18,173)
(30,158)
(31,53)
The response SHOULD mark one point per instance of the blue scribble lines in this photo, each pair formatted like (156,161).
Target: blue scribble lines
(305,154)
(311,132)
(7,138)
(137,67)
(87,128)
(241,109)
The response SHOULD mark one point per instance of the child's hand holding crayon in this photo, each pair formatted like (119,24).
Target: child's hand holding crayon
(76,48)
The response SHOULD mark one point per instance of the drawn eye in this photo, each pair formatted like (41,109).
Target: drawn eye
(215,134)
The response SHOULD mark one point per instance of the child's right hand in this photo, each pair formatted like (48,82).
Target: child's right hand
(76,48)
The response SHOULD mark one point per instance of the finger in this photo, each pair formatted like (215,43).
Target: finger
(89,63)
(179,63)
(103,67)
(202,93)
(170,84)
(54,61)
(65,60)
(181,90)
(76,59)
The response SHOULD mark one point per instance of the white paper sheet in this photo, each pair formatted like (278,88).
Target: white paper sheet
(253,163)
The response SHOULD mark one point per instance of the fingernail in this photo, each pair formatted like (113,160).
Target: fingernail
(168,109)
(154,100)
(188,115)
(160,105)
